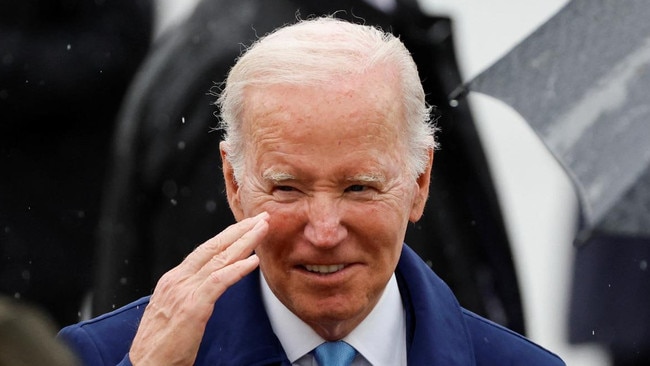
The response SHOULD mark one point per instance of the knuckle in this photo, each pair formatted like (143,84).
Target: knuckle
(166,282)
(221,260)
(211,245)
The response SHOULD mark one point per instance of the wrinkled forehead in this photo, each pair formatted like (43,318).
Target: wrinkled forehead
(369,104)
(335,117)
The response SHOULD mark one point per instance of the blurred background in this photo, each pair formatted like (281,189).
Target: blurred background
(538,199)
(128,124)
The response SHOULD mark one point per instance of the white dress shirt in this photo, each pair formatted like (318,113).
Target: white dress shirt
(380,339)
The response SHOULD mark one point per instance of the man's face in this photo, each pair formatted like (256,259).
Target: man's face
(329,166)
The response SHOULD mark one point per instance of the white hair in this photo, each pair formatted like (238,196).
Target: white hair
(317,51)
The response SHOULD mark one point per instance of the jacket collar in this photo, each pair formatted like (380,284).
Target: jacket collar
(240,333)
(436,329)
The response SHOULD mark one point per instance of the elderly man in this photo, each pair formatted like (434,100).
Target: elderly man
(327,157)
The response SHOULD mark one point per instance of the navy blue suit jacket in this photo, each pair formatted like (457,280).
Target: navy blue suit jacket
(439,331)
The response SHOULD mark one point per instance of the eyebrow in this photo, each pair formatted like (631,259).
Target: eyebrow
(368,178)
(277,176)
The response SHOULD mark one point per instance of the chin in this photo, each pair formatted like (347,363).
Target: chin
(332,312)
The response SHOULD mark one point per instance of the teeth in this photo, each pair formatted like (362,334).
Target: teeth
(324,269)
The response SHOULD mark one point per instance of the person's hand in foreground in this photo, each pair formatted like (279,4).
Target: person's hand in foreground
(182,302)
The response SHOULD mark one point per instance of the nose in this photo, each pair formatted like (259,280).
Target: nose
(324,228)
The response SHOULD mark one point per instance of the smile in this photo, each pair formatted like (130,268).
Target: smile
(324,269)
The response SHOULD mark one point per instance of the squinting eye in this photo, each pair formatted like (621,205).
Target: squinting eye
(356,188)
(284,188)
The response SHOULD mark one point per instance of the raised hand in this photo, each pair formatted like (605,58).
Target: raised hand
(182,302)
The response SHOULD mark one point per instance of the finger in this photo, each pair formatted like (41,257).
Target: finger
(229,266)
(240,249)
(219,281)
(204,252)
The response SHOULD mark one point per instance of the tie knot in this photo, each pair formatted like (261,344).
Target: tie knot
(336,353)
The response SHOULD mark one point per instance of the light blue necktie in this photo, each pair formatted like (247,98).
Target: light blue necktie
(334,354)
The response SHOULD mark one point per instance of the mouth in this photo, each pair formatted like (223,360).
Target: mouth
(324,269)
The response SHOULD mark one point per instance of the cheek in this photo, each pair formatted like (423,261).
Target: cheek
(284,217)
(285,228)
(390,211)
(384,225)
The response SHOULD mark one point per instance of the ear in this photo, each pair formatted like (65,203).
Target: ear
(422,191)
(232,187)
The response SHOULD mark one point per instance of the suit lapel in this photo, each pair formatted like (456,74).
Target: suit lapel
(239,332)
(436,330)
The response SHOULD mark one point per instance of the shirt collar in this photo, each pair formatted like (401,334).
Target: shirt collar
(380,338)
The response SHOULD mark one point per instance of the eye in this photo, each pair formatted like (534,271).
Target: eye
(356,188)
(284,193)
(285,188)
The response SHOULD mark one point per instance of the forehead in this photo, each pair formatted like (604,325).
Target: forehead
(365,108)
(339,132)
